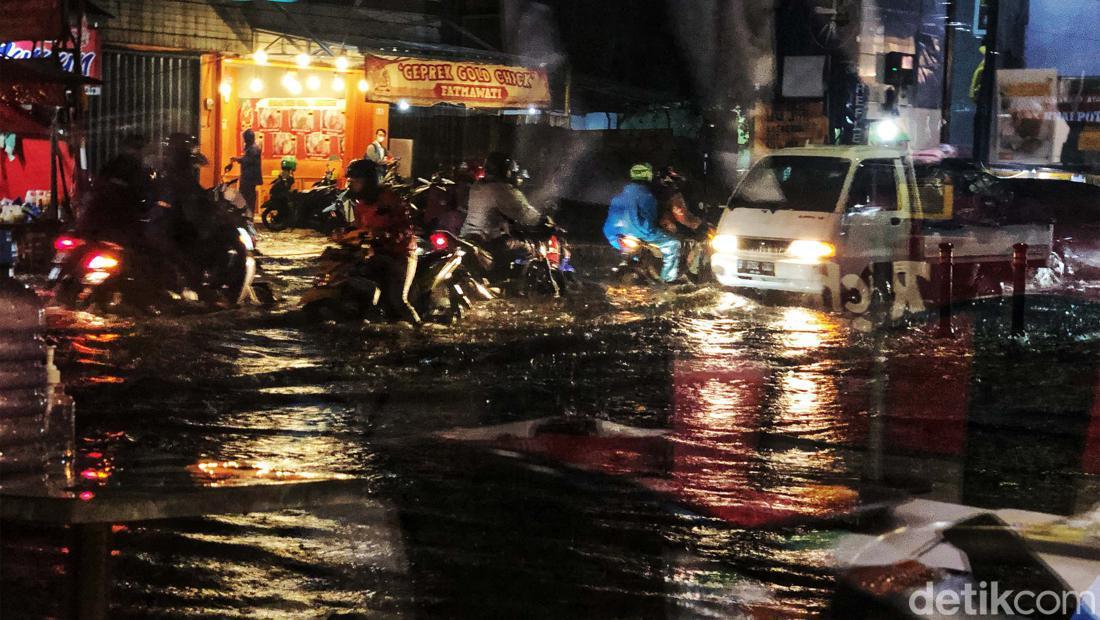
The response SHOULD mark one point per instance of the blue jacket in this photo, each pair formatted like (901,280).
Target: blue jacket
(633,212)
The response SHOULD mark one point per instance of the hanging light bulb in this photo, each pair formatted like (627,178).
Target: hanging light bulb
(302,60)
(225,89)
(402,105)
(363,86)
(255,85)
(260,56)
(291,83)
(342,63)
(338,84)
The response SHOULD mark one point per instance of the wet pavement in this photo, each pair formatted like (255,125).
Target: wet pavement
(737,441)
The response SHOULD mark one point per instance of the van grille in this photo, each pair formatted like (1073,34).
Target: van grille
(765,246)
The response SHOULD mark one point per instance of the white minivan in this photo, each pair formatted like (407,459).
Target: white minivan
(846,222)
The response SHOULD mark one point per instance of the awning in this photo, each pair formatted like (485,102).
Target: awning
(39,81)
(15,120)
(423,81)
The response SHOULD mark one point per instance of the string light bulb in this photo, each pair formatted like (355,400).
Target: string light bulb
(363,86)
(342,63)
(302,59)
(260,56)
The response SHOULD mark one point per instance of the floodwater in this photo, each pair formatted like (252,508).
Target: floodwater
(694,452)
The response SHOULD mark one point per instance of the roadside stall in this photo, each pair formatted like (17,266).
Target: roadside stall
(42,89)
(37,163)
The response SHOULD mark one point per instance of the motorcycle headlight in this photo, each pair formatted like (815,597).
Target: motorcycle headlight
(246,239)
(724,244)
(811,250)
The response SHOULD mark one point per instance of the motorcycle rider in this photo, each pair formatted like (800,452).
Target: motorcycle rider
(382,218)
(120,195)
(634,213)
(182,215)
(495,203)
(676,218)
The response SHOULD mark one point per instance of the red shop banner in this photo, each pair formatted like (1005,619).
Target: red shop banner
(90,64)
(425,82)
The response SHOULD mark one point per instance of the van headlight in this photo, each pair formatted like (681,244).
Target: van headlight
(724,244)
(811,250)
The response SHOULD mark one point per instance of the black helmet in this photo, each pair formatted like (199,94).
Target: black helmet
(500,165)
(362,169)
(182,151)
(669,176)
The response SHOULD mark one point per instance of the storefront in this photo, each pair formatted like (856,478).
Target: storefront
(316,113)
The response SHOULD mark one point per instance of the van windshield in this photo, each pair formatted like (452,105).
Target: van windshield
(793,183)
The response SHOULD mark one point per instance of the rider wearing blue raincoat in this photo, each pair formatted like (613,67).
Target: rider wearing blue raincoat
(633,213)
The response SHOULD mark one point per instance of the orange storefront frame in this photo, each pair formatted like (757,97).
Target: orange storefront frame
(306,114)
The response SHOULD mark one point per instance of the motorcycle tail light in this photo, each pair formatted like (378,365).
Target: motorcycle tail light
(64,243)
(439,241)
(100,262)
(553,249)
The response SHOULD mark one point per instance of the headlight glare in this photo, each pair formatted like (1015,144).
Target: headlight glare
(724,244)
(806,249)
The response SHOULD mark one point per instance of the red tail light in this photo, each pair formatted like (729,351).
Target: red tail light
(439,241)
(553,249)
(64,243)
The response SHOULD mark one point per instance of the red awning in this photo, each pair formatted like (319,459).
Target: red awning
(15,120)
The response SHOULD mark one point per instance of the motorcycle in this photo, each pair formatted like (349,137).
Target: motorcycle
(642,261)
(346,288)
(111,276)
(539,262)
(290,208)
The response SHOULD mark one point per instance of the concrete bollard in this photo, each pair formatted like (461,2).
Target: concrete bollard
(1019,282)
(947,277)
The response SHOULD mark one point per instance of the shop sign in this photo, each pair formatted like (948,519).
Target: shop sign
(1027,116)
(89,53)
(789,123)
(421,81)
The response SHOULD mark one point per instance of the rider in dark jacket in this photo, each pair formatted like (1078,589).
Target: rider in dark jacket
(181,217)
(119,198)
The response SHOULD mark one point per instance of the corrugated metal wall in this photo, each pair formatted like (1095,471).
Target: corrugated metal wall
(149,93)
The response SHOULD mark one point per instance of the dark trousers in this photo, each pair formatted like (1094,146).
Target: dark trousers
(248,192)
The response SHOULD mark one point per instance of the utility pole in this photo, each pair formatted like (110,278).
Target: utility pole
(986,114)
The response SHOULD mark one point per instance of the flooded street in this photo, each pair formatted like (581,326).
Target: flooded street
(622,452)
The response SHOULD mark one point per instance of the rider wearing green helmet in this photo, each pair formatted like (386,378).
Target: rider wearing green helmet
(633,213)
